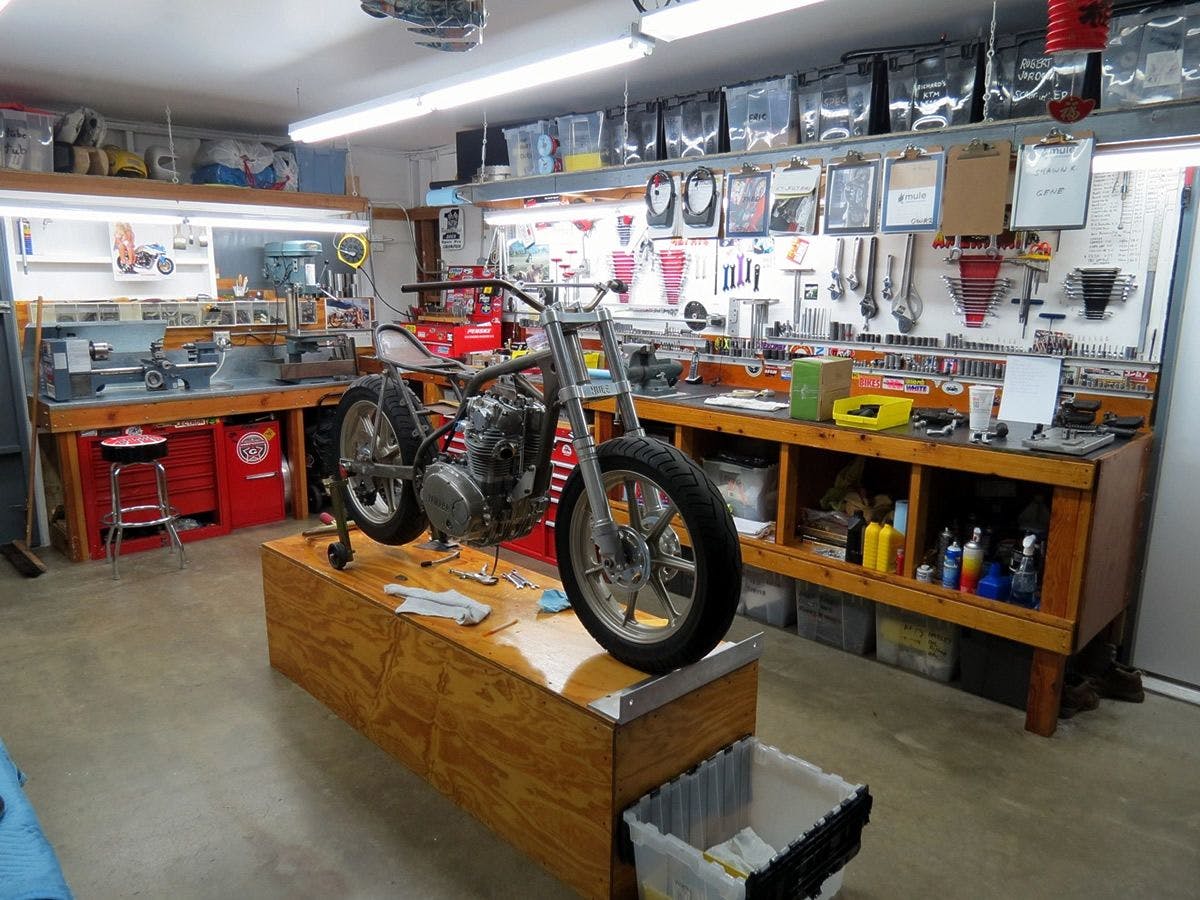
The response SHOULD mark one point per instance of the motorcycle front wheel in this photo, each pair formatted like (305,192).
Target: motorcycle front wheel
(676,597)
(385,509)
(165,265)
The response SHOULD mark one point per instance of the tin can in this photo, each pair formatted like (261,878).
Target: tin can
(900,560)
(925,574)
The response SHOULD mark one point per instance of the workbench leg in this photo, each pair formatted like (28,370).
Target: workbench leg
(66,446)
(1045,692)
(296,456)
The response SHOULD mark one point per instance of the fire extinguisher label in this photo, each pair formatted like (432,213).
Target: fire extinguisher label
(252,448)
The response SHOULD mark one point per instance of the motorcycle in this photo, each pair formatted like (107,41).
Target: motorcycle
(152,256)
(647,550)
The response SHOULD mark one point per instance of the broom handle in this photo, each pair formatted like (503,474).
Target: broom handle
(33,425)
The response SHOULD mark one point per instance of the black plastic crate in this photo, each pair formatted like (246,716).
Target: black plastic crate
(995,668)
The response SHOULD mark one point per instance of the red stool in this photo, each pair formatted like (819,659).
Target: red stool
(123,452)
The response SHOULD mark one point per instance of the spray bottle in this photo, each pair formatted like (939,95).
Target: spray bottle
(952,566)
(972,562)
(1024,582)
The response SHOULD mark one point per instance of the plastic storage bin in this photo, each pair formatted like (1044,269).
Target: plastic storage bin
(533,149)
(995,668)
(813,820)
(642,142)
(768,597)
(582,139)
(935,88)
(762,114)
(1025,78)
(750,486)
(918,643)
(835,618)
(26,139)
(893,411)
(1153,56)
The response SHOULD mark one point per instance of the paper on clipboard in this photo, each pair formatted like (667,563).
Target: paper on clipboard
(1054,179)
(912,190)
(1030,392)
(977,187)
(794,200)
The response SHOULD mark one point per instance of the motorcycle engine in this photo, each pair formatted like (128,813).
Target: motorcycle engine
(486,497)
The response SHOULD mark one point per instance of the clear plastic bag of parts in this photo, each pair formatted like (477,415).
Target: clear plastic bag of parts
(641,143)
(844,108)
(1153,56)
(762,114)
(1025,78)
(934,88)
(692,125)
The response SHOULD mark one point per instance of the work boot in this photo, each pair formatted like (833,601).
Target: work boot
(1078,696)
(1120,682)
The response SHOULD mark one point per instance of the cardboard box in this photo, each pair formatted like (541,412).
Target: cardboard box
(817,382)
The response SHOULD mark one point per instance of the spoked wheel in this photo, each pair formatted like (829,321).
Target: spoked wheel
(385,509)
(675,597)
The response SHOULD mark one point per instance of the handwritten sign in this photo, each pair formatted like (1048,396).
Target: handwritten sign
(1052,186)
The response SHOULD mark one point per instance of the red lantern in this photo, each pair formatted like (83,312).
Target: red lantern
(1078,26)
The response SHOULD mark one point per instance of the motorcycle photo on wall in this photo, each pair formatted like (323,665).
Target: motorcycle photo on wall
(647,550)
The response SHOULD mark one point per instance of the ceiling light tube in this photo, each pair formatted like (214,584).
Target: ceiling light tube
(540,72)
(1140,159)
(324,226)
(564,212)
(19,209)
(685,20)
(360,117)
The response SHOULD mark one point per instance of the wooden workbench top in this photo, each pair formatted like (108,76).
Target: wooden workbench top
(551,651)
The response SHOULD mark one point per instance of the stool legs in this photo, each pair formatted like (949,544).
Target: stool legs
(116,519)
(165,512)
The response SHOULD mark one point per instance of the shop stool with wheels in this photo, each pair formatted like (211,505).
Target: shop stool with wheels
(126,451)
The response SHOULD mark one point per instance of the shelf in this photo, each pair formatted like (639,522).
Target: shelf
(49,259)
(1165,120)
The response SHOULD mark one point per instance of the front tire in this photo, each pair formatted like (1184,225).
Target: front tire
(385,509)
(676,608)
(166,265)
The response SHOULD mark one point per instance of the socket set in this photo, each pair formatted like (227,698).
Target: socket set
(939,365)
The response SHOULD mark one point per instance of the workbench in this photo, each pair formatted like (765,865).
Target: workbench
(1096,504)
(522,720)
(61,423)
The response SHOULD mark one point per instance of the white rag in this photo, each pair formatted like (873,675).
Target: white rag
(745,852)
(747,403)
(446,604)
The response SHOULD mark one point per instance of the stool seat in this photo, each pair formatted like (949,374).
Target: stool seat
(133,448)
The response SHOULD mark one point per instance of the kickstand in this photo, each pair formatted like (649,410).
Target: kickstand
(341,553)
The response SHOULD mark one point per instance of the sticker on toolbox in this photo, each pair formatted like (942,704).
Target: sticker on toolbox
(253,448)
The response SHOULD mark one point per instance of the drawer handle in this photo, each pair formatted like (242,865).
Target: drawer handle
(261,476)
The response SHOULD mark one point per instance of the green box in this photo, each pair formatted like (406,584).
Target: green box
(817,382)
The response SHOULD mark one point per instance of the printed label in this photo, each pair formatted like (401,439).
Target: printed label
(252,448)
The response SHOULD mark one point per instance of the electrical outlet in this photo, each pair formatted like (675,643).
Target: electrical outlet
(221,338)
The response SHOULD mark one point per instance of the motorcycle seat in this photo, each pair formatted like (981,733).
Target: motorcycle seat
(397,345)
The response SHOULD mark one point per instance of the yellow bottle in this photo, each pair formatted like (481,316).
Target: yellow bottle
(885,559)
(870,544)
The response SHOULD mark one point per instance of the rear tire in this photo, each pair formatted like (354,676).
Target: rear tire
(711,579)
(385,510)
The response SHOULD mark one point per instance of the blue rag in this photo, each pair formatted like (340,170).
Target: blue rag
(28,866)
(553,601)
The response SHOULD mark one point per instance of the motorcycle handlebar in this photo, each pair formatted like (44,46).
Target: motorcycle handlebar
(615,286)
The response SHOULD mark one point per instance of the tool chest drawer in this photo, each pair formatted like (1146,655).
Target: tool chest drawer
(195,484)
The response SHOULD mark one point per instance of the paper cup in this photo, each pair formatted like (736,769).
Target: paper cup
(982,398)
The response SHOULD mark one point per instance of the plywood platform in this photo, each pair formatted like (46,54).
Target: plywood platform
(495,716)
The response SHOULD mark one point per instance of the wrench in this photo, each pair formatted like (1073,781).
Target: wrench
(867,306)
(519,580)
(481,576)
(855,265)
(836,288)
(887,294)
(908,306)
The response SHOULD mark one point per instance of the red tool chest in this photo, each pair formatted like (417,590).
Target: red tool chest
(195,484)
(254,470)
(453,341)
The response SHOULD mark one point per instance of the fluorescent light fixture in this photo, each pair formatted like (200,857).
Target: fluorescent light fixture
(325,226)
(371,114)
(563,212)
(4,3)
(514,76)
(685,20)
(540,72)
(1140,159)
(22,210)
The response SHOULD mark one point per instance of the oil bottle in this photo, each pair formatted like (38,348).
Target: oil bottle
(870,545)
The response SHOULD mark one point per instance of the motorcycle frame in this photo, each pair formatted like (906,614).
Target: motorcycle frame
(567,386)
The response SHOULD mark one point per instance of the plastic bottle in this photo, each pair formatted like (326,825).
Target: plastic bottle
(885,552)
(870,544)
(854,538)
(996,584)
(900,517)
(952,566)
(1024,582)
(972,562)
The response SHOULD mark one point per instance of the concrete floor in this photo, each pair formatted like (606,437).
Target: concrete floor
(167,759)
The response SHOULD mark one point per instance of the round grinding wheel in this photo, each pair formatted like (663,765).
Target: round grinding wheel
(695,315)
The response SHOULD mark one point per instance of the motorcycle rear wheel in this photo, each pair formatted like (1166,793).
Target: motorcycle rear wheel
(385,509)
(677,600)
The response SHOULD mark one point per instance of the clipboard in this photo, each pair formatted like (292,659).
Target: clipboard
(1054,182)
(912,190)
(852,194)
(978,179)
